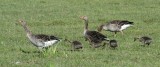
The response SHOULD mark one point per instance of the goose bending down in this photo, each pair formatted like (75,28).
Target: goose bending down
(94,37)
(144,39)
(76,45)
(115,26)
(40,40)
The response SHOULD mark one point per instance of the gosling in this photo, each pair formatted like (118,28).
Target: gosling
(144,39)
(76,45)
(113,44)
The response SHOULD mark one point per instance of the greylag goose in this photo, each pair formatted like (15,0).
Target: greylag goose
(115,26)
(40,40)
(94,37)
(144,39)
(76,45)
(113,44)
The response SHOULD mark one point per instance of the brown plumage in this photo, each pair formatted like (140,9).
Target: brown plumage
(94,37)
(144,39)
(115,26)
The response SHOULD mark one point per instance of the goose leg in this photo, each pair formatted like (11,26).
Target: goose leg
(86,39)
(121,32)
(93,45)
(98,45)
(46,48)
(90,41)
(104,45)
(115,34)
(41,49)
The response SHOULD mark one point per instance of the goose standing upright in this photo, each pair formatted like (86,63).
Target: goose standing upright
(76,45)
(144,39)
(40,40)
(116,26)
(94,37)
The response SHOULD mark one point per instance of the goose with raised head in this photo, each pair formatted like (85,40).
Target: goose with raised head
(76,45)
(144,39)
(39,40)
(115,26)
(94,37)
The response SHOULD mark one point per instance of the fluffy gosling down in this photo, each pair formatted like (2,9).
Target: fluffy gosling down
(76,45)
(113,44)
(144,39)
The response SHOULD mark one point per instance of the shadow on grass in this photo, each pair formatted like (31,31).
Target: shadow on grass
(28,52)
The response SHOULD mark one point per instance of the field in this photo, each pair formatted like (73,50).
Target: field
(61,18)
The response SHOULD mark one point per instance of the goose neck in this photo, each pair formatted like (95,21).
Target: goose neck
(26,29)
(86,25)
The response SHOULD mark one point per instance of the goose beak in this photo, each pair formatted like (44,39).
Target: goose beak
(81,17)
(84,17)
(20,21)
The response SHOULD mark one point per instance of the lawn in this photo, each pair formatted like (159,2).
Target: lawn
(61,18)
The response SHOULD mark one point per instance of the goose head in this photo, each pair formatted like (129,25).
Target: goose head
(23,23)
(84,17)
(99,29)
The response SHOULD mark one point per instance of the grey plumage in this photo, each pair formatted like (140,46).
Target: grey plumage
(115,26)
(39,40)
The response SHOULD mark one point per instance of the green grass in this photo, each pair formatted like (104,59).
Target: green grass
(61,18)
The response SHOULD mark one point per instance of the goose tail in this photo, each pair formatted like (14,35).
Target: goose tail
(107,39)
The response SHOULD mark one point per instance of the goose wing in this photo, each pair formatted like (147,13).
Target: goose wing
(146,38)
(46,37)
(125,22)
(114,22)
(43,37)
(120,22)
(54,38)
(96,36)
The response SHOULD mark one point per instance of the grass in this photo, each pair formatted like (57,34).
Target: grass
(61,18)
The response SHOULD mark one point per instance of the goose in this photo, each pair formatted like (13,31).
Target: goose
(94,37)
(76,45)
(39,40)
(115,26)
(113,44)
(144,39)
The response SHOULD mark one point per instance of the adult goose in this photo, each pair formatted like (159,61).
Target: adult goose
(39,40)
(144,39)
(76,45)
(115,26)
(94,37)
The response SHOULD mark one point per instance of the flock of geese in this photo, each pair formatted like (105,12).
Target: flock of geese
(95,38)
